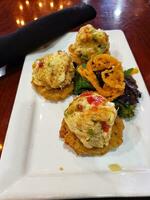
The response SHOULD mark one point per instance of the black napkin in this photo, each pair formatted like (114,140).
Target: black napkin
(39,32)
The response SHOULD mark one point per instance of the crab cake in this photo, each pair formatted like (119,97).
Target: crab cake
(91,126)
(52,76)
(89,41)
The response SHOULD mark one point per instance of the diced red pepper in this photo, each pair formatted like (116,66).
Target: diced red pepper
(105,126)
(95,100)
(85,94)
(40,63)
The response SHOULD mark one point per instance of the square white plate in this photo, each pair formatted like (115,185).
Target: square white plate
(33,155)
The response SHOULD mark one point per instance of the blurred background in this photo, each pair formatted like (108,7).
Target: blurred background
(17,13)
(111,14)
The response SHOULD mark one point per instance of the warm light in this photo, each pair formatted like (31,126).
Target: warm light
(18,21)
(117,12)
(27,2)
(51,4)
(35,18)
(40,4)
(68,3)
(21,7)
(22,22)
(1,147)
(61,6)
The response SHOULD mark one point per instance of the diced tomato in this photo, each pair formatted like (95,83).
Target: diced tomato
(40,63)
(95,100)
(85,94)
(105,126)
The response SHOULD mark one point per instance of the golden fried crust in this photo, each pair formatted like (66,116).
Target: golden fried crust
(71,140)
(54,94)
(77,59)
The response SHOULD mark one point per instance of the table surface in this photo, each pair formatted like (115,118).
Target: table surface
(132,16)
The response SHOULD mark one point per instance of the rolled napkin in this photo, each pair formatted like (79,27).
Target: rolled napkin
(39,32)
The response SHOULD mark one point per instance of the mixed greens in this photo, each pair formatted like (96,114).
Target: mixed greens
(81,84)
(126,103)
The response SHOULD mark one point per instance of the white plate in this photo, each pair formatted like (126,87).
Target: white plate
(33,153)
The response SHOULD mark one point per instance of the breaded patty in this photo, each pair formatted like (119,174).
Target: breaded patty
(71,140)
(52,76)
(91,117)
(54,94)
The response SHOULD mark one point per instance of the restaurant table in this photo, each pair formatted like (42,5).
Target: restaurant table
(131,16)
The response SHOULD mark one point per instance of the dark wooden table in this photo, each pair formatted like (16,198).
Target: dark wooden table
(132,16)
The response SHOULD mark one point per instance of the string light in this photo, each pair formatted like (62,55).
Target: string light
(21,7)
(22,22)
(27,2)
(40,4)
(68,3)
(18,21)
(51,4)
(61,6)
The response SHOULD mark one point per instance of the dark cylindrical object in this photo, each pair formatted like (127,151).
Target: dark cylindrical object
(39,32)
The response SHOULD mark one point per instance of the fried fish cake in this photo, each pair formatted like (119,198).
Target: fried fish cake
(54,94)
(52,76)
(71,140)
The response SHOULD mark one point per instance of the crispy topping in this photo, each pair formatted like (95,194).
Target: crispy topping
(112,75)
